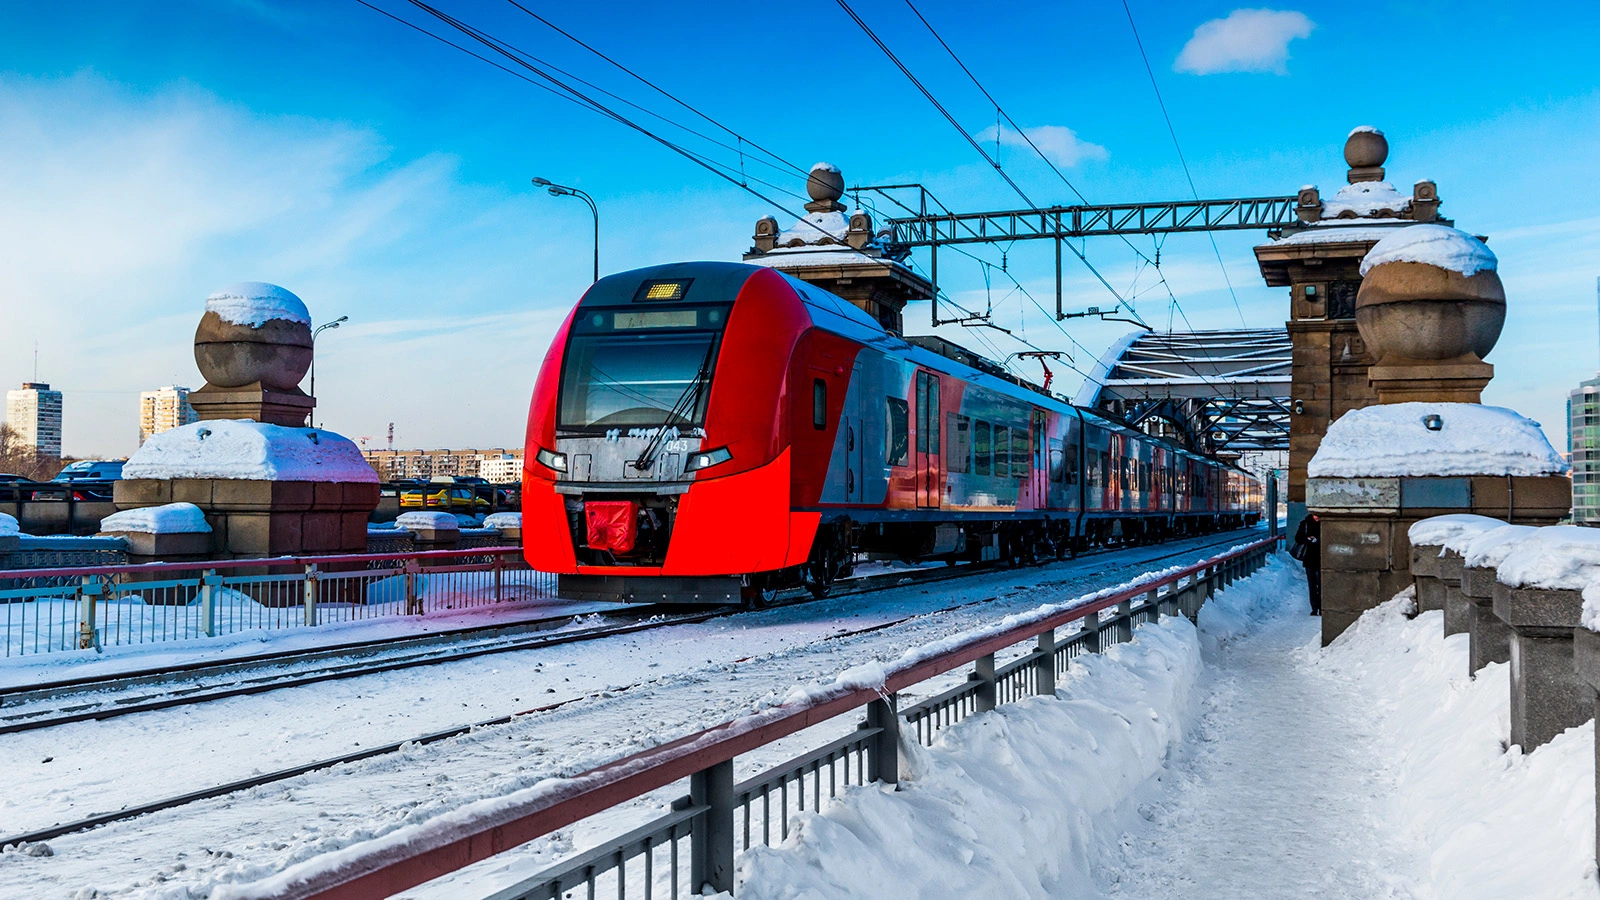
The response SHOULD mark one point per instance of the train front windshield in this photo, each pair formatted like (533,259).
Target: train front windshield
(628,370)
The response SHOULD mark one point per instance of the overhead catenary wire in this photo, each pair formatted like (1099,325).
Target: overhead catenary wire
(1173,132)
(657,88)
(949,117)
(555,85)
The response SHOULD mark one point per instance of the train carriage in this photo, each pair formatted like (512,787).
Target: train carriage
(713,432)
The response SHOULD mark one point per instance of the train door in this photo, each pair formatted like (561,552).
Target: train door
(851,421)
(930,479)
(1039,480)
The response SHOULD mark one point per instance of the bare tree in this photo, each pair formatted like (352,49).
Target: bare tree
(17,458)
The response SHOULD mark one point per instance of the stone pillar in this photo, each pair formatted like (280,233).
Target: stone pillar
(1547,696)
(267,485)
(1457,612)
(1319,260)
(1488,638)
(842,253)
(1586,659)
(1425,575)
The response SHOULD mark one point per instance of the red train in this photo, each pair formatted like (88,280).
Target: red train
(714,432)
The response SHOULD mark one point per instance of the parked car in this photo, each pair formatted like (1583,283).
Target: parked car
(446,497)
(91,470)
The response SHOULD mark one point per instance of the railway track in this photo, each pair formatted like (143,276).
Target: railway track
(204,682)
(879,582)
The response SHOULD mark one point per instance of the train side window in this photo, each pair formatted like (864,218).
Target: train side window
(981,447)
(1058,462)
(960,451)
(1072,463)
(898,443)
(819,404)
(1002,451)
(1021,454)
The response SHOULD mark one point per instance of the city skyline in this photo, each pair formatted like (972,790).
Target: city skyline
(389,181)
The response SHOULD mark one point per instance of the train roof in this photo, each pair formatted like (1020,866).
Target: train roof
(711,281)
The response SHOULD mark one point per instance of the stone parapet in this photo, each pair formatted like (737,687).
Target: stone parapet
(251,518)
(1489,639)
(1425,575)
(1457,616)
(1547,697)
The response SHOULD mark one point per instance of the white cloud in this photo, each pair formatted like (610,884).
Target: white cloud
(125,208)
(1248,40)
(1058,143)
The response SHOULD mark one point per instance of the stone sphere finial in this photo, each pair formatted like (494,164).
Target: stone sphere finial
(1366,148)
(1431,293)
(826,183)
(253,332)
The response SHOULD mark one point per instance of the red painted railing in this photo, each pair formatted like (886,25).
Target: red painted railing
(414,855)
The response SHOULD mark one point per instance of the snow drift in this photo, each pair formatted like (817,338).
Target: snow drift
(1486,822)
(1022,801)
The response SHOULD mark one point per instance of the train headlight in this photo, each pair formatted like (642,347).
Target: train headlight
(552,460)
(705,459)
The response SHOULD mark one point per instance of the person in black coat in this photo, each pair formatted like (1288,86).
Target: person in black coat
(1308,549)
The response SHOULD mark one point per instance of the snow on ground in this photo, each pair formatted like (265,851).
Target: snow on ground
(620,695)
(1372,769)
(1394,440)
(8,525)
(242,449)
(1375,768)
(1435,245)
(1025,801)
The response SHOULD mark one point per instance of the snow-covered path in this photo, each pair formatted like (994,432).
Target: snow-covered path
(1280,791)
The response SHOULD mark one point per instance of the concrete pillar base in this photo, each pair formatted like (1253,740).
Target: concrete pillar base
(1457,610)
(1547,696)
(1489,639)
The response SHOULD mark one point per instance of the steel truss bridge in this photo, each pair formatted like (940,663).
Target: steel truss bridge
(1063,222)
(1214,391)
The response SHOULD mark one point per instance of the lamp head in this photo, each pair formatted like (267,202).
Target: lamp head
(542,182)
(555,191)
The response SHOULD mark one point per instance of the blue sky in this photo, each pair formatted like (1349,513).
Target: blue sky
(153,152)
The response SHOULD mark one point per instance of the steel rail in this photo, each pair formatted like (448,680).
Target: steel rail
(132,812)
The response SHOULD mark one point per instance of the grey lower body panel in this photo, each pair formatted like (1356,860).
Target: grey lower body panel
(650,588)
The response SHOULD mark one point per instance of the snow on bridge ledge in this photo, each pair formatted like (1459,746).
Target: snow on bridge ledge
(1394,441)
(172,518)
(242,449)
(1452,532)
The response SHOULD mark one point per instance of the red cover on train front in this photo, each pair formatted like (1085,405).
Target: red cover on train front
(613,524)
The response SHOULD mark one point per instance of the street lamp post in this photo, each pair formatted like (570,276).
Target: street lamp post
(318,330)
(561,190)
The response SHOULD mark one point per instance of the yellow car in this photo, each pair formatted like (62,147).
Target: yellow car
(450,498)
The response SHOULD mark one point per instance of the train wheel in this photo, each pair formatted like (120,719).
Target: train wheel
(818,575)
(759,591)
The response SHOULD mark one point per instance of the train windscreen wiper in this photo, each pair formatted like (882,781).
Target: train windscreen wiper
(681,409)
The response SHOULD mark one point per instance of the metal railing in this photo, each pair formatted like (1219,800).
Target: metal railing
(693,846)
(46,610)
